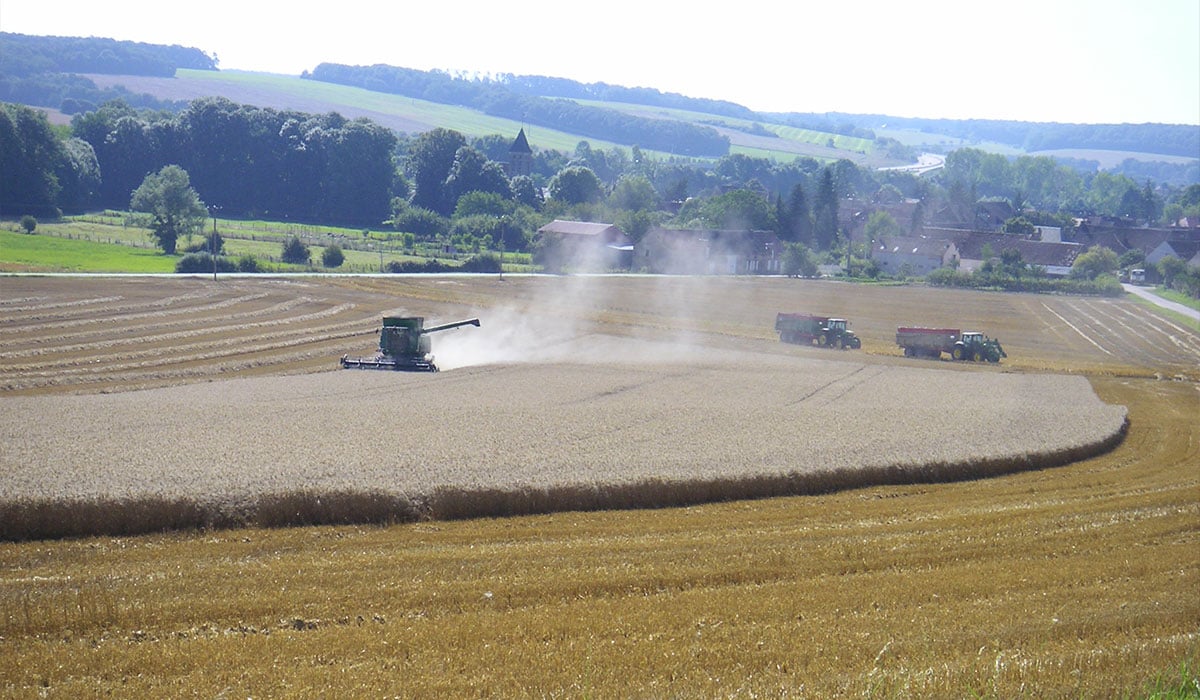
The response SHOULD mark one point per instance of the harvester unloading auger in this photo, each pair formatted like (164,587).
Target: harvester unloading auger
(404,345)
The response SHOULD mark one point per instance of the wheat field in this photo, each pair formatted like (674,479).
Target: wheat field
(1077,580)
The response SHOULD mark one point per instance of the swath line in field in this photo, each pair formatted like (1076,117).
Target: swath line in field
(1186,341)
(1074,328)
(1128,336)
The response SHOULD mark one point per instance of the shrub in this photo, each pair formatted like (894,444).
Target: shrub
(332,256)
(248,263)
(203,262)
(212,243)
(295,252)
(28,223)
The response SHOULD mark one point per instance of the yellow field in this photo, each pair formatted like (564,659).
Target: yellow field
(1079,580)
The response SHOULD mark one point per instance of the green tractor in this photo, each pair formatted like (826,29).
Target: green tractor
(976,346)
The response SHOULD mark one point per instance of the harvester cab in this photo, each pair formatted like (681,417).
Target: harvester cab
(404,345)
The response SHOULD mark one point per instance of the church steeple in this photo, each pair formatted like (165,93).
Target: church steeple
(520,156)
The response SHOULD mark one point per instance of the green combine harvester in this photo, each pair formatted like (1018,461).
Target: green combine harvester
(404,345)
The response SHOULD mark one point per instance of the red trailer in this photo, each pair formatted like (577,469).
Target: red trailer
(927,342)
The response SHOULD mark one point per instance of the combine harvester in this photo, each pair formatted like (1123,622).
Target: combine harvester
(404,345)
(932,342)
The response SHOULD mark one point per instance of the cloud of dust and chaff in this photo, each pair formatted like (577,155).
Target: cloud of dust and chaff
(572,320)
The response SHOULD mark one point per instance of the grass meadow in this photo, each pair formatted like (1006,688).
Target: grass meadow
(21,252)
(1077,580)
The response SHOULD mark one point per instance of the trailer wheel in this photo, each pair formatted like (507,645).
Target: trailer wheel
(908,352)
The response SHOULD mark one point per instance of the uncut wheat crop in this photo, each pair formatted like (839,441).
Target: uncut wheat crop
(526,437)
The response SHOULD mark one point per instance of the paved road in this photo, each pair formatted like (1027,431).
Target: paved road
(1166,304)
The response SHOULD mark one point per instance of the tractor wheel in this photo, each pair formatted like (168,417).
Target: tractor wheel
(978,357)
(822,340)
(958,353)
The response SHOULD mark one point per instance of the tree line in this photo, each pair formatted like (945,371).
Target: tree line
(45,70)
(1164,139)
(497,99)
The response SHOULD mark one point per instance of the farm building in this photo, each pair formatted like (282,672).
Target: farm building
(583,246)
(975,248)
(1187,251)
(897,255)
(708,252)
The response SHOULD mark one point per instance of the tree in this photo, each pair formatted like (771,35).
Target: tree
(28,224)
(525,191)
(799,218)
(295,252)
(473,172)
(798,261)
(575,185)
(634,193)
(429,162)
(1131,258)
(174,207)
(1093,262)
(31,155)
(332,256)
(738,209)
(880,226)
(1171,267)
(825,212)
(1019,225)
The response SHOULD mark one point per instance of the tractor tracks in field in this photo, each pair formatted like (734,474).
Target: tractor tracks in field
(836,388)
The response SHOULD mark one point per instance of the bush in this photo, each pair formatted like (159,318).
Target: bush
(203,262)
(332,256)
(28,223)
(212,243)
(484,262)
(295,252)
(422,222)
(248,263)
(1103,285)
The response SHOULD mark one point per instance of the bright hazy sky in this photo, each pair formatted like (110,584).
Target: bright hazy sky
(1084,61)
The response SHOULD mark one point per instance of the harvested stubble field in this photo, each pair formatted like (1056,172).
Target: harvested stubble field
(587,392)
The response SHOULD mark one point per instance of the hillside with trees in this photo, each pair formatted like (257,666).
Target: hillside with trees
(45,71)
(496,99)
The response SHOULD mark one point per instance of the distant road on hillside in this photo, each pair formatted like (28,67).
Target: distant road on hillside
(926,163)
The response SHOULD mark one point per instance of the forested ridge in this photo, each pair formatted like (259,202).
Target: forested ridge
(44,71)
(495,98)
(1163,139)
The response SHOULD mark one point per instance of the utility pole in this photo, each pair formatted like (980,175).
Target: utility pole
(212,243)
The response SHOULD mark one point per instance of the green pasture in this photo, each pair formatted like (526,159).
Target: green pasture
(109,242)
(21,252)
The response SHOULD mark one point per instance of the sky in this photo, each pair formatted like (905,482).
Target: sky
(1074,61)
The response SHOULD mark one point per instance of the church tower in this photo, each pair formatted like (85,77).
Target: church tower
(520,156)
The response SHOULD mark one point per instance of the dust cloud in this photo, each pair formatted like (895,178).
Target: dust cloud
(573,320)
